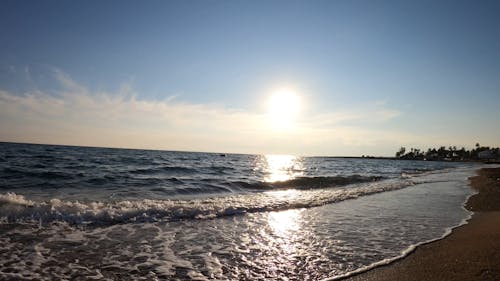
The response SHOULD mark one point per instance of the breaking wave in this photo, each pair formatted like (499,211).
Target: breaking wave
(305,183)
(17,208)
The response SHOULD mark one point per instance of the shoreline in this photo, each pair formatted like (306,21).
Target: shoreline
(469,252)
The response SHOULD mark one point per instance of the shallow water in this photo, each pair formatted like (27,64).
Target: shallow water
(365,212)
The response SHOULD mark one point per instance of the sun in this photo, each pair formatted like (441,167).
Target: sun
(283,108)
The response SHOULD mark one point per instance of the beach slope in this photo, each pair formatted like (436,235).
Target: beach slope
(471,252)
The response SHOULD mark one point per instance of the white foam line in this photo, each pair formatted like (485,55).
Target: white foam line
(410,249)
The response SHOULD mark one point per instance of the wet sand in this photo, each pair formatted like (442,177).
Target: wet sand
(471,252)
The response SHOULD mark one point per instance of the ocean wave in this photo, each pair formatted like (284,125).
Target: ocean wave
(165,169)
(306,183)
(17,208)
(41,174)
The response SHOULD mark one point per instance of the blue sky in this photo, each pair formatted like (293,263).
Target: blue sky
(373,75)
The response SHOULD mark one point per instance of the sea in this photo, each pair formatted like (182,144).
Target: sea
(84,213)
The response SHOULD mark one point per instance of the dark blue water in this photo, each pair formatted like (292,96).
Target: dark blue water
(120,214)
(105,173)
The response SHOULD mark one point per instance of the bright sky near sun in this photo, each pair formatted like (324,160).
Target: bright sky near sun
(289,77)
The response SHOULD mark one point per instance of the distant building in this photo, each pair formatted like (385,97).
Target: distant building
(487,154)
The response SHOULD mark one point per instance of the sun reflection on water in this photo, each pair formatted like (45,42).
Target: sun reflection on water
(285,234)
(286,222)
(281,167)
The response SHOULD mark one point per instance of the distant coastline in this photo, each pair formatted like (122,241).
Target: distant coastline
(452,153)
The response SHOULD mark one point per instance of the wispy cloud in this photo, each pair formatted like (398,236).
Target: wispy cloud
(78,116)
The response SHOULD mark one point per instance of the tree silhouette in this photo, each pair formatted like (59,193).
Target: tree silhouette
(450,154)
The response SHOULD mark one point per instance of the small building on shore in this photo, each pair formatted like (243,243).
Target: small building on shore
(488,154)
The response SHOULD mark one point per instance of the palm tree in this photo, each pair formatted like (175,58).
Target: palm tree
(401,152)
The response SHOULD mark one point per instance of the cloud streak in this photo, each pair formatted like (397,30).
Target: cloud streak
(78,116)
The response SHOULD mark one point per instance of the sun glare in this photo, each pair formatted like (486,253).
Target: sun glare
(283,108)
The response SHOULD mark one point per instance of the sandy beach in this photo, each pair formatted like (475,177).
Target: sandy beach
(471,252)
